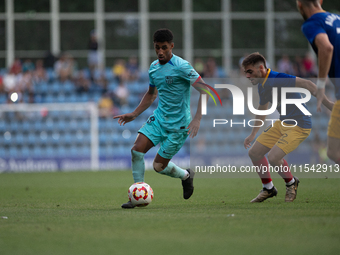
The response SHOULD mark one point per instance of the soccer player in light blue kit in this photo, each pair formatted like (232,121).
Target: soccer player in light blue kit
(322,30)
(170,77)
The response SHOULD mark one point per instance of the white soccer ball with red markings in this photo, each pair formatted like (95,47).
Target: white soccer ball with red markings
(140,194)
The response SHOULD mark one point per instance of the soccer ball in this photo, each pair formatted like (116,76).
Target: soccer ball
(140,194)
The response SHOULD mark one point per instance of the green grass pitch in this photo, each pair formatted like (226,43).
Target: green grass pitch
(79,213)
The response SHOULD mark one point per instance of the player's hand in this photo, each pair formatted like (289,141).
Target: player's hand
(320,94)
(248,140)
(193,127)
(125,118)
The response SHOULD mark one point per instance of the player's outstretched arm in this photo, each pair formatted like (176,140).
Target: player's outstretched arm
(307,84)
(194,125)
(257,125)
(144,104)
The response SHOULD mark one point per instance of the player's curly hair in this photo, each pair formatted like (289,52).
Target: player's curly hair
(254,59)
(163,35)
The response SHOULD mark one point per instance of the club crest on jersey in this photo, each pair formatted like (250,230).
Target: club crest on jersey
(168,79)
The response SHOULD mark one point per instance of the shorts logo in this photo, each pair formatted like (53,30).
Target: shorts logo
(152,118)
(282,139)
(168,79)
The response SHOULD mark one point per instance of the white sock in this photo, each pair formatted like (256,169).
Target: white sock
(291,182)
(268,185)
(186,176)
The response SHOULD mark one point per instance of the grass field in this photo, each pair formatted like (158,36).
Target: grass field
(79,213)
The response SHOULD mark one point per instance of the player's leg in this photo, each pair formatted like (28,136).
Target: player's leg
(292,137)
(333,149)
(333,143)
(257,153)
(166,167)
(171,144)
(141,146)
(148,136)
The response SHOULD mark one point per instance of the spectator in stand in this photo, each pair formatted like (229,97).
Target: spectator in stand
(28,66)
(119,71)
(93,59)
(132,69)
(210,68)
(39,74)
(82,83)
(122,94)
(298,68)
(24,79)
(64,67)
(309,65)
(16,67)
(10,82)
(102,82)
(106,106)
(49,60)
(284,65)
(199,66)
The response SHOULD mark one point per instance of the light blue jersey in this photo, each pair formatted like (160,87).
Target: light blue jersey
(173,81)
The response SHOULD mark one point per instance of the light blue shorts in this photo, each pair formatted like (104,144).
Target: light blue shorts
(171,142)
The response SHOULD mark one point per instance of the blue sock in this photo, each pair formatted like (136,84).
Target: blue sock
(138,166)
(174,171)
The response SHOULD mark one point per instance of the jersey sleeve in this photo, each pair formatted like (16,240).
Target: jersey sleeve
(311,29)
(188,73)
(151,82)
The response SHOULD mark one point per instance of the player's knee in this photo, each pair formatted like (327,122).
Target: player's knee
(254,155)
(273,159)
(136,155)
(158,167)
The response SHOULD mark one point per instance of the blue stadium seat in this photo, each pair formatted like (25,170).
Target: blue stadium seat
(50,74)
(13,152)
(61,98)
(85,124)
(25,152)
(56,87)
(3,152)
(61,151)
(49,99)
(108,74)
(68,87)
(73,150)
(38,151)
(19,139)
(50,151)
(3,126)
(14,127)
(113,85)
(72,98)
(3,99)
(85,151)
